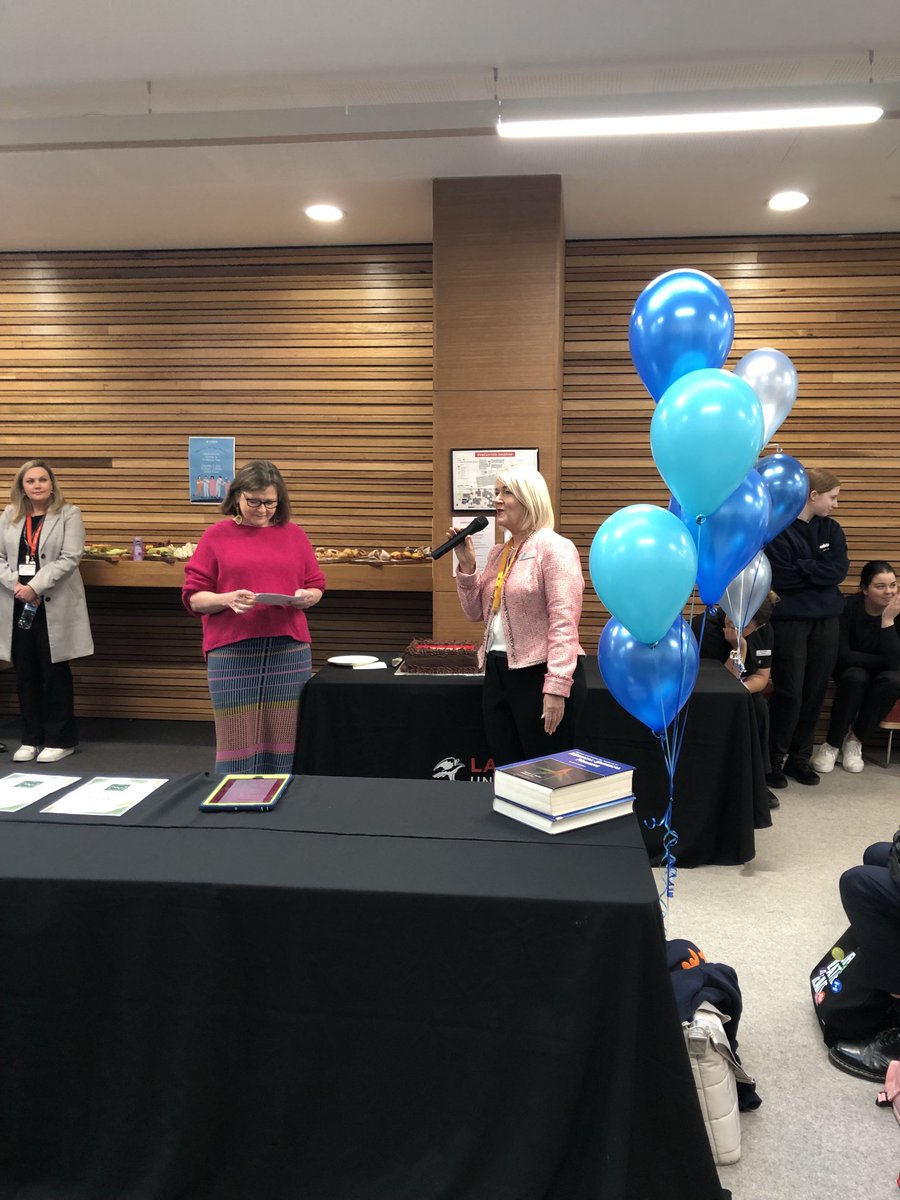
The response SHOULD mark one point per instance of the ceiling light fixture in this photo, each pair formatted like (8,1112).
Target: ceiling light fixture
(324,212)
(788,201)
(748,120)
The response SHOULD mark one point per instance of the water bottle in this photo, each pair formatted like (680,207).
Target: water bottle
(137,549)
(27,616)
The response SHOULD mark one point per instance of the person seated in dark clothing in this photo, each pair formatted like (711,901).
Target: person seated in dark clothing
(751,663)
(867,672)
(870,895)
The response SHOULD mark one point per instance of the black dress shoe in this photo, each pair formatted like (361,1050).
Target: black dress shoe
(867,1060)
(2,747)
(802,772)
(776,779)
(774,802)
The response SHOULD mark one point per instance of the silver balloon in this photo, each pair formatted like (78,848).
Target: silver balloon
(746,592)
(773,377)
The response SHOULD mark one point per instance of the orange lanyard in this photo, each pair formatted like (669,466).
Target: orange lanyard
(32,536)
(507,558)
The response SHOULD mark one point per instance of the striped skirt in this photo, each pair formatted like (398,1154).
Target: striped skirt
(255,686)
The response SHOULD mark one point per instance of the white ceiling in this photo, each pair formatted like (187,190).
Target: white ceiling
(79,72)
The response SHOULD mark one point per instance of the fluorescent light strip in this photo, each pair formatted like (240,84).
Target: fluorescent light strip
(701,122)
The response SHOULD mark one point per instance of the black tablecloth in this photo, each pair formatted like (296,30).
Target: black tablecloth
(376,723)
(378,991)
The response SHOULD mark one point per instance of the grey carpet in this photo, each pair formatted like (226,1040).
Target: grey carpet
(818,1132)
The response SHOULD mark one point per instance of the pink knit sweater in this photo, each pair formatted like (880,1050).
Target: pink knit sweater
(540,606)
(274,558)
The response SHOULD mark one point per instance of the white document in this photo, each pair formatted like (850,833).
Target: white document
(105,796)
(273,598)
(19,790)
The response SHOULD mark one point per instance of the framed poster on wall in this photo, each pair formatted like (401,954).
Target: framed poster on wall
(473,472)
(210,468)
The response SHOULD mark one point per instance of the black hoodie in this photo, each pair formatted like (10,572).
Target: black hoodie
(809,561)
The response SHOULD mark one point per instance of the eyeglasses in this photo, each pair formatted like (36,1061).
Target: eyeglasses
(253,503)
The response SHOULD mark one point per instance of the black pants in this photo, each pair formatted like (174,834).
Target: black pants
(871,900)
(862,699)
(512,704)
(46,692)
(804,657)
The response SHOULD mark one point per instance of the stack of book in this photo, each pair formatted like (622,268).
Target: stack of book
(563,791)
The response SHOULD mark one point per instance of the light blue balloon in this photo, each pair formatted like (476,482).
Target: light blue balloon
(653,683)
(643,565)
(729,537)
(705,436)
(681,322)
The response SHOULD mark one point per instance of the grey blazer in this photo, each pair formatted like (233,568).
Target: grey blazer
(58,582)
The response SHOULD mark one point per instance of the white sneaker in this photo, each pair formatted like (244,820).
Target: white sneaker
(26,753)
(851,754)
(824,757)
(55,753)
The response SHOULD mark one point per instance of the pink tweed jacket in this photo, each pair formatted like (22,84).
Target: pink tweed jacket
(540,606)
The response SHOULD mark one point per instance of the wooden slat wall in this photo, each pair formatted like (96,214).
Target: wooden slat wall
(832,304)
(321,359)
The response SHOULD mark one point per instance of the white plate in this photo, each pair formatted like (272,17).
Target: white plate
(352,660)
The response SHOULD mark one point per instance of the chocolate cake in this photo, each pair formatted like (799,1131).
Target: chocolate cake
(440,658)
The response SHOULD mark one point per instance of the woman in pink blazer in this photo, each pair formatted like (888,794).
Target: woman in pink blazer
(529,598)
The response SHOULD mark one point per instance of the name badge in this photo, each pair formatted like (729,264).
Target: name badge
(27,569)
(527,554)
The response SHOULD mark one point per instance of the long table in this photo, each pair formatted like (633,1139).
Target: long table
(381,990)
(378,723)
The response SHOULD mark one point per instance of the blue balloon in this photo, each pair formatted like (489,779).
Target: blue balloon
(643,565)
(705,435)
(730,537)
(788,487)
(682,321)
(652,682)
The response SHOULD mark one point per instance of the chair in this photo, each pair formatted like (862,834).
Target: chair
(890,723)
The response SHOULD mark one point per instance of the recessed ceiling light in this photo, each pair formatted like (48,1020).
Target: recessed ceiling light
(788,201)
(324,212)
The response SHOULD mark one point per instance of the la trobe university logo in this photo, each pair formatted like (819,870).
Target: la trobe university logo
(451,767)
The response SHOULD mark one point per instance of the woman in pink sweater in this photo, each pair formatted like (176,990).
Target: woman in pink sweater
(257,653)
(529,597)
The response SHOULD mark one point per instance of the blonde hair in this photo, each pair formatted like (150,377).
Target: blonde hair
(821,480)
(21,505)
(529,487)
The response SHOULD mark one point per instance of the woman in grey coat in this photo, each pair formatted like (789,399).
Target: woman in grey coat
(43,613)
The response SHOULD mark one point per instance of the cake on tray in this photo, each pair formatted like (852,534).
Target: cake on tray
(440,658)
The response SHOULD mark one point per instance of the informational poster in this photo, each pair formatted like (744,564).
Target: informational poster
(473,473)
(211,466)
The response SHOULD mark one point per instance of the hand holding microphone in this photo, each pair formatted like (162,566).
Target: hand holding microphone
(460,538)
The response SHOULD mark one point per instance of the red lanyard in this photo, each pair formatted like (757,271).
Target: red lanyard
(32,536)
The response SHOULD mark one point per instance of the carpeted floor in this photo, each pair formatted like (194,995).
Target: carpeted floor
(818,1133)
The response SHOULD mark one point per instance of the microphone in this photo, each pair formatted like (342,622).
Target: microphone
(472,527)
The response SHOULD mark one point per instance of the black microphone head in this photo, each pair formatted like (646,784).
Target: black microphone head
(478,523)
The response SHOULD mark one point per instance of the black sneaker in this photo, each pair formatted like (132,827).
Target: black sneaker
(802,772)
(774,802)
(776,779)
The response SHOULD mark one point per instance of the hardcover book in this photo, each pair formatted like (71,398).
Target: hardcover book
(573,820)
(563,783)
